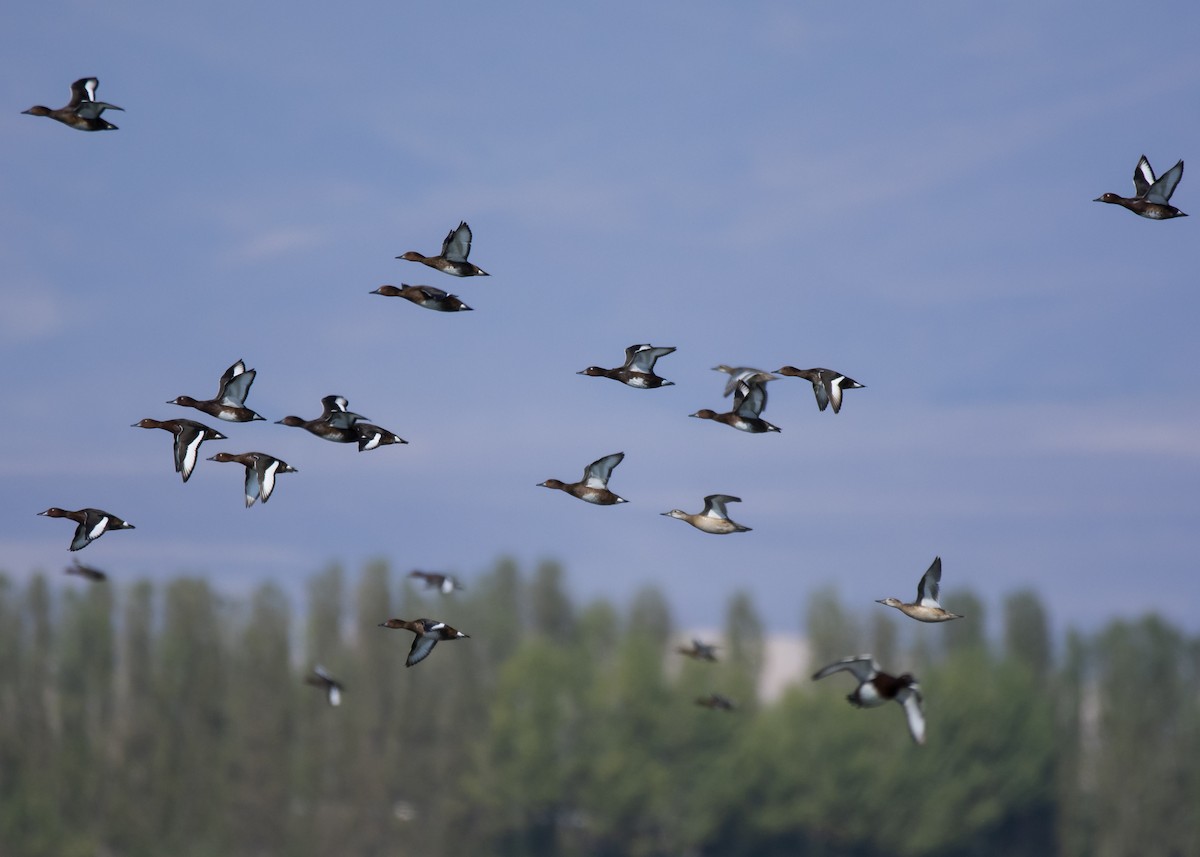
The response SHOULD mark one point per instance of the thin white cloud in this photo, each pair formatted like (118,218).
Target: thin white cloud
(30,313)
(273,244)
(918,159)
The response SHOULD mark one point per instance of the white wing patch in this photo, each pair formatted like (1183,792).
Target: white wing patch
(267,479)
(372,442)
(911,700)
(835,392)
(190,453)
(1147,173)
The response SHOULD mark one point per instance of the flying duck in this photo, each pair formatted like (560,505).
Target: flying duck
(230,402)
(428,633)
(92,524)
(876,688)
(261,470)
(712,518)
(827,385)
(926,608)
(593,487)
(453,258)
(1151,195)
(189,434)
(638,368)
(83,111)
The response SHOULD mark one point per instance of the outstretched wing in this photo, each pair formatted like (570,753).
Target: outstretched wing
(821,391)
(82,537)
(863,667)
(835,392)
(187,449)
(930,585)
(1143,177)
(750,399)
(421,647)
(253,485)
(232,372)
(457,245)
(641,358)
(234,391)
(910,698)
(597,473)
(714,505)
(1160,192)
(267,467)
(83,90)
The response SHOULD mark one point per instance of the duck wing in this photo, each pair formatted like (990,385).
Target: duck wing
(421,647)
(81,539)
(930,585)
(714,505)
(457,245)
(835,392)
(736,375)
(596,474)
(254,481)
(234,390)
(371,436)
(93,109)
(914,713)
(187,446)
(92,526)
(641,358)
(821,391)
(1143,177)
(82,90)
(267,467)
(750,399)
(334,412)
(232,372)
(863,667)
(431,292)
(1160,192)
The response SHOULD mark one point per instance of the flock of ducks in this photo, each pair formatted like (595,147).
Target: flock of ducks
(338,424)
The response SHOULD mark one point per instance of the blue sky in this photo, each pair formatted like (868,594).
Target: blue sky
(902,192)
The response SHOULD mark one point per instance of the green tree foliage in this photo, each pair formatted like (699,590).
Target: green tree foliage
(1076,750)
(968,632)
(12,753)
(86,658)
(137,728)
(136,722)
(260,718)
(832,632)
(1145,734)
(884,637)
(650,619)
(529,774)
(1027,632)
(190,693)
(37,813)
(551,611)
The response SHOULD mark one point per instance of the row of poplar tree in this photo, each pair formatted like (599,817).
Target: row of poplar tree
(141,720)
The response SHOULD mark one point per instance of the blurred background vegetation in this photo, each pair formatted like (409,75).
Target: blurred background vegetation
(148,720)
